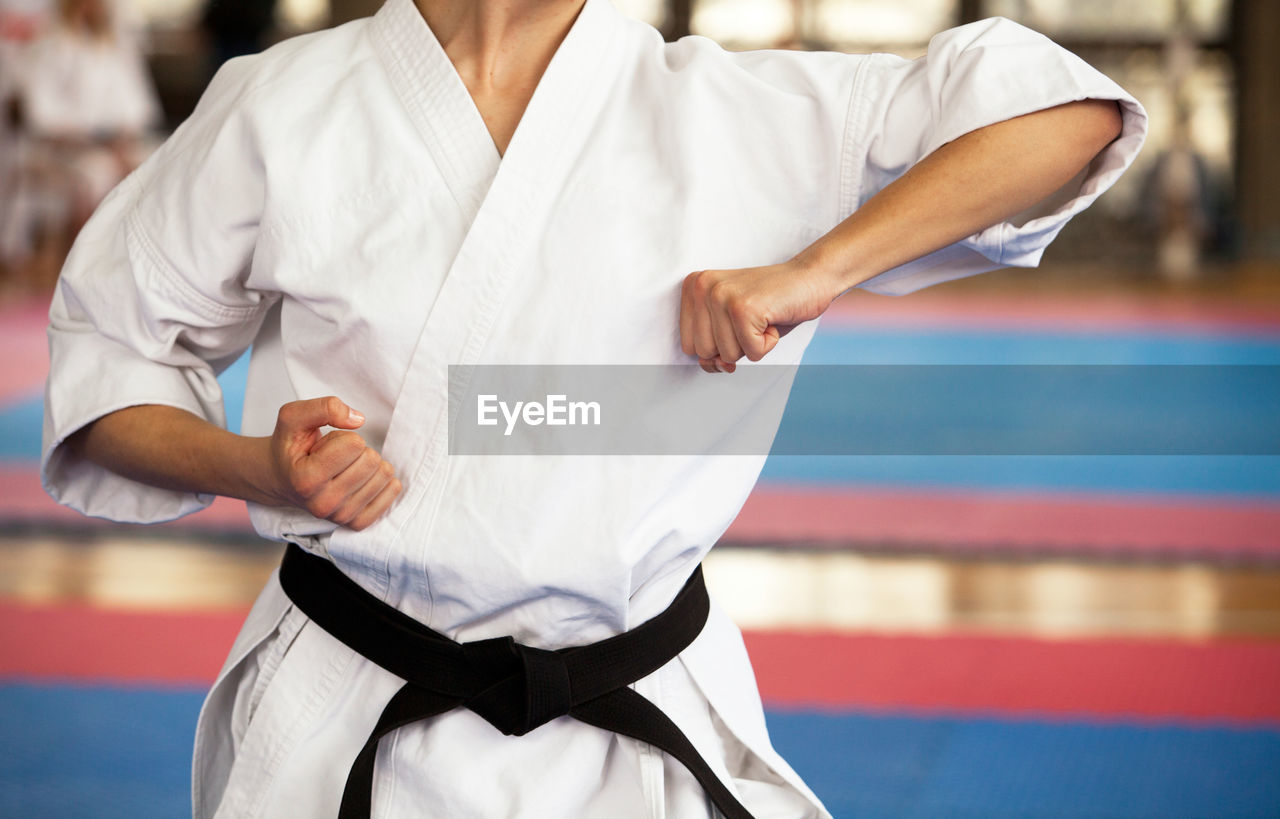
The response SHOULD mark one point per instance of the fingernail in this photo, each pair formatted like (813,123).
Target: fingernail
(355,417)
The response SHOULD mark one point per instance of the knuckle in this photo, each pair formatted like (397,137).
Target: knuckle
(349,443)
(324,504)
(321,508)
(286,414)
(367,465)
(332,405)
(741,307)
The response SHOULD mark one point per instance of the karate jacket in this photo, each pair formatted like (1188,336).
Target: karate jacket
(337,203)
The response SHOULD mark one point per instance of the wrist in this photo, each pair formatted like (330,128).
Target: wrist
(831,273)
(256,472)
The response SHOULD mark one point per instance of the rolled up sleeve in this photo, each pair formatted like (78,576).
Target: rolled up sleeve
(972,76)
(154,301)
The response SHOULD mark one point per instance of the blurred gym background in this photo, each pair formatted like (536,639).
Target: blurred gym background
(1093,636)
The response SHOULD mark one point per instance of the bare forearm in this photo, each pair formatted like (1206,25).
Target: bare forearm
(332,475)
(975,181)
(978,180)
(171,448)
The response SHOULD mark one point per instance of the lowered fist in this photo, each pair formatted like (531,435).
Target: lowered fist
(335,476)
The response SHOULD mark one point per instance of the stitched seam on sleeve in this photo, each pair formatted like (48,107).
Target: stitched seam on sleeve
(850,175)
(208,308)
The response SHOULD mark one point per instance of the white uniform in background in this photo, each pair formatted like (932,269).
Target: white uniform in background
(73,86)
(338,203)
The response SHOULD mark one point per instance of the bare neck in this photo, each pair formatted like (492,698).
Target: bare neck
(500,45)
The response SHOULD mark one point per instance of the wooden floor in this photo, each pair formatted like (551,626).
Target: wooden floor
(760,587)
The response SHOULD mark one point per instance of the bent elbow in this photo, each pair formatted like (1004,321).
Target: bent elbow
(1102,121)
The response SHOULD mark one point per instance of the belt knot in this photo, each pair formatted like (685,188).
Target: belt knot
(523,687)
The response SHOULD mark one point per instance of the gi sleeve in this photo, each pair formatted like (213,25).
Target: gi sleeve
(154,299)
(975,75)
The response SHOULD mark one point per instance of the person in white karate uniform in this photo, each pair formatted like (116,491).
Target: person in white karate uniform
(87,108)
(537,182)
(87,97)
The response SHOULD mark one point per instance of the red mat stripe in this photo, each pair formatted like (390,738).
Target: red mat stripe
(1082,523)
(1212,681)
(1221,680)
(84,642)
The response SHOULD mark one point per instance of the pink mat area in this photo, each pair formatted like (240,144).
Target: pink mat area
(1080,523)
(1040,313)
(24,351)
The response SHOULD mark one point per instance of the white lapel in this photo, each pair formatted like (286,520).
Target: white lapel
(437,101)
(508,214)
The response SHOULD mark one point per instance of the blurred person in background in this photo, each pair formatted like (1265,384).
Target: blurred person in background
(20,22)
(84,108)
(360,206)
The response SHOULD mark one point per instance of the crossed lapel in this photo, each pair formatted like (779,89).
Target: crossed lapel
(508,200)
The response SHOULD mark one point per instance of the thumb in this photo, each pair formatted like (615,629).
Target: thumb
(313,413)
(760,338)
(769,339)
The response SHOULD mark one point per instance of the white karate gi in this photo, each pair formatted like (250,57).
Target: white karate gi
(338,203)
(71,86)
(76,86)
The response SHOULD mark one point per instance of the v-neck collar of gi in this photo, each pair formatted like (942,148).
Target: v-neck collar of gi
(506,203)
(447,117)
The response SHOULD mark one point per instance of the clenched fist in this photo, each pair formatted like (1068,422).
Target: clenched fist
(335,476)
(728,314)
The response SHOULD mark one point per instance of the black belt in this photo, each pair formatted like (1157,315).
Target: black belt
(515,687)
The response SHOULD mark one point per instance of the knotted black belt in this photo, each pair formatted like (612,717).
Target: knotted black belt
(515,687)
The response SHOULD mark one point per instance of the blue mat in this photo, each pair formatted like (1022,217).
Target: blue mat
(95,752)
(902,766)
(105,752)
(1257,476)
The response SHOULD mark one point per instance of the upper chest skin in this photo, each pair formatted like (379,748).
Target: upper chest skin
(501,109)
